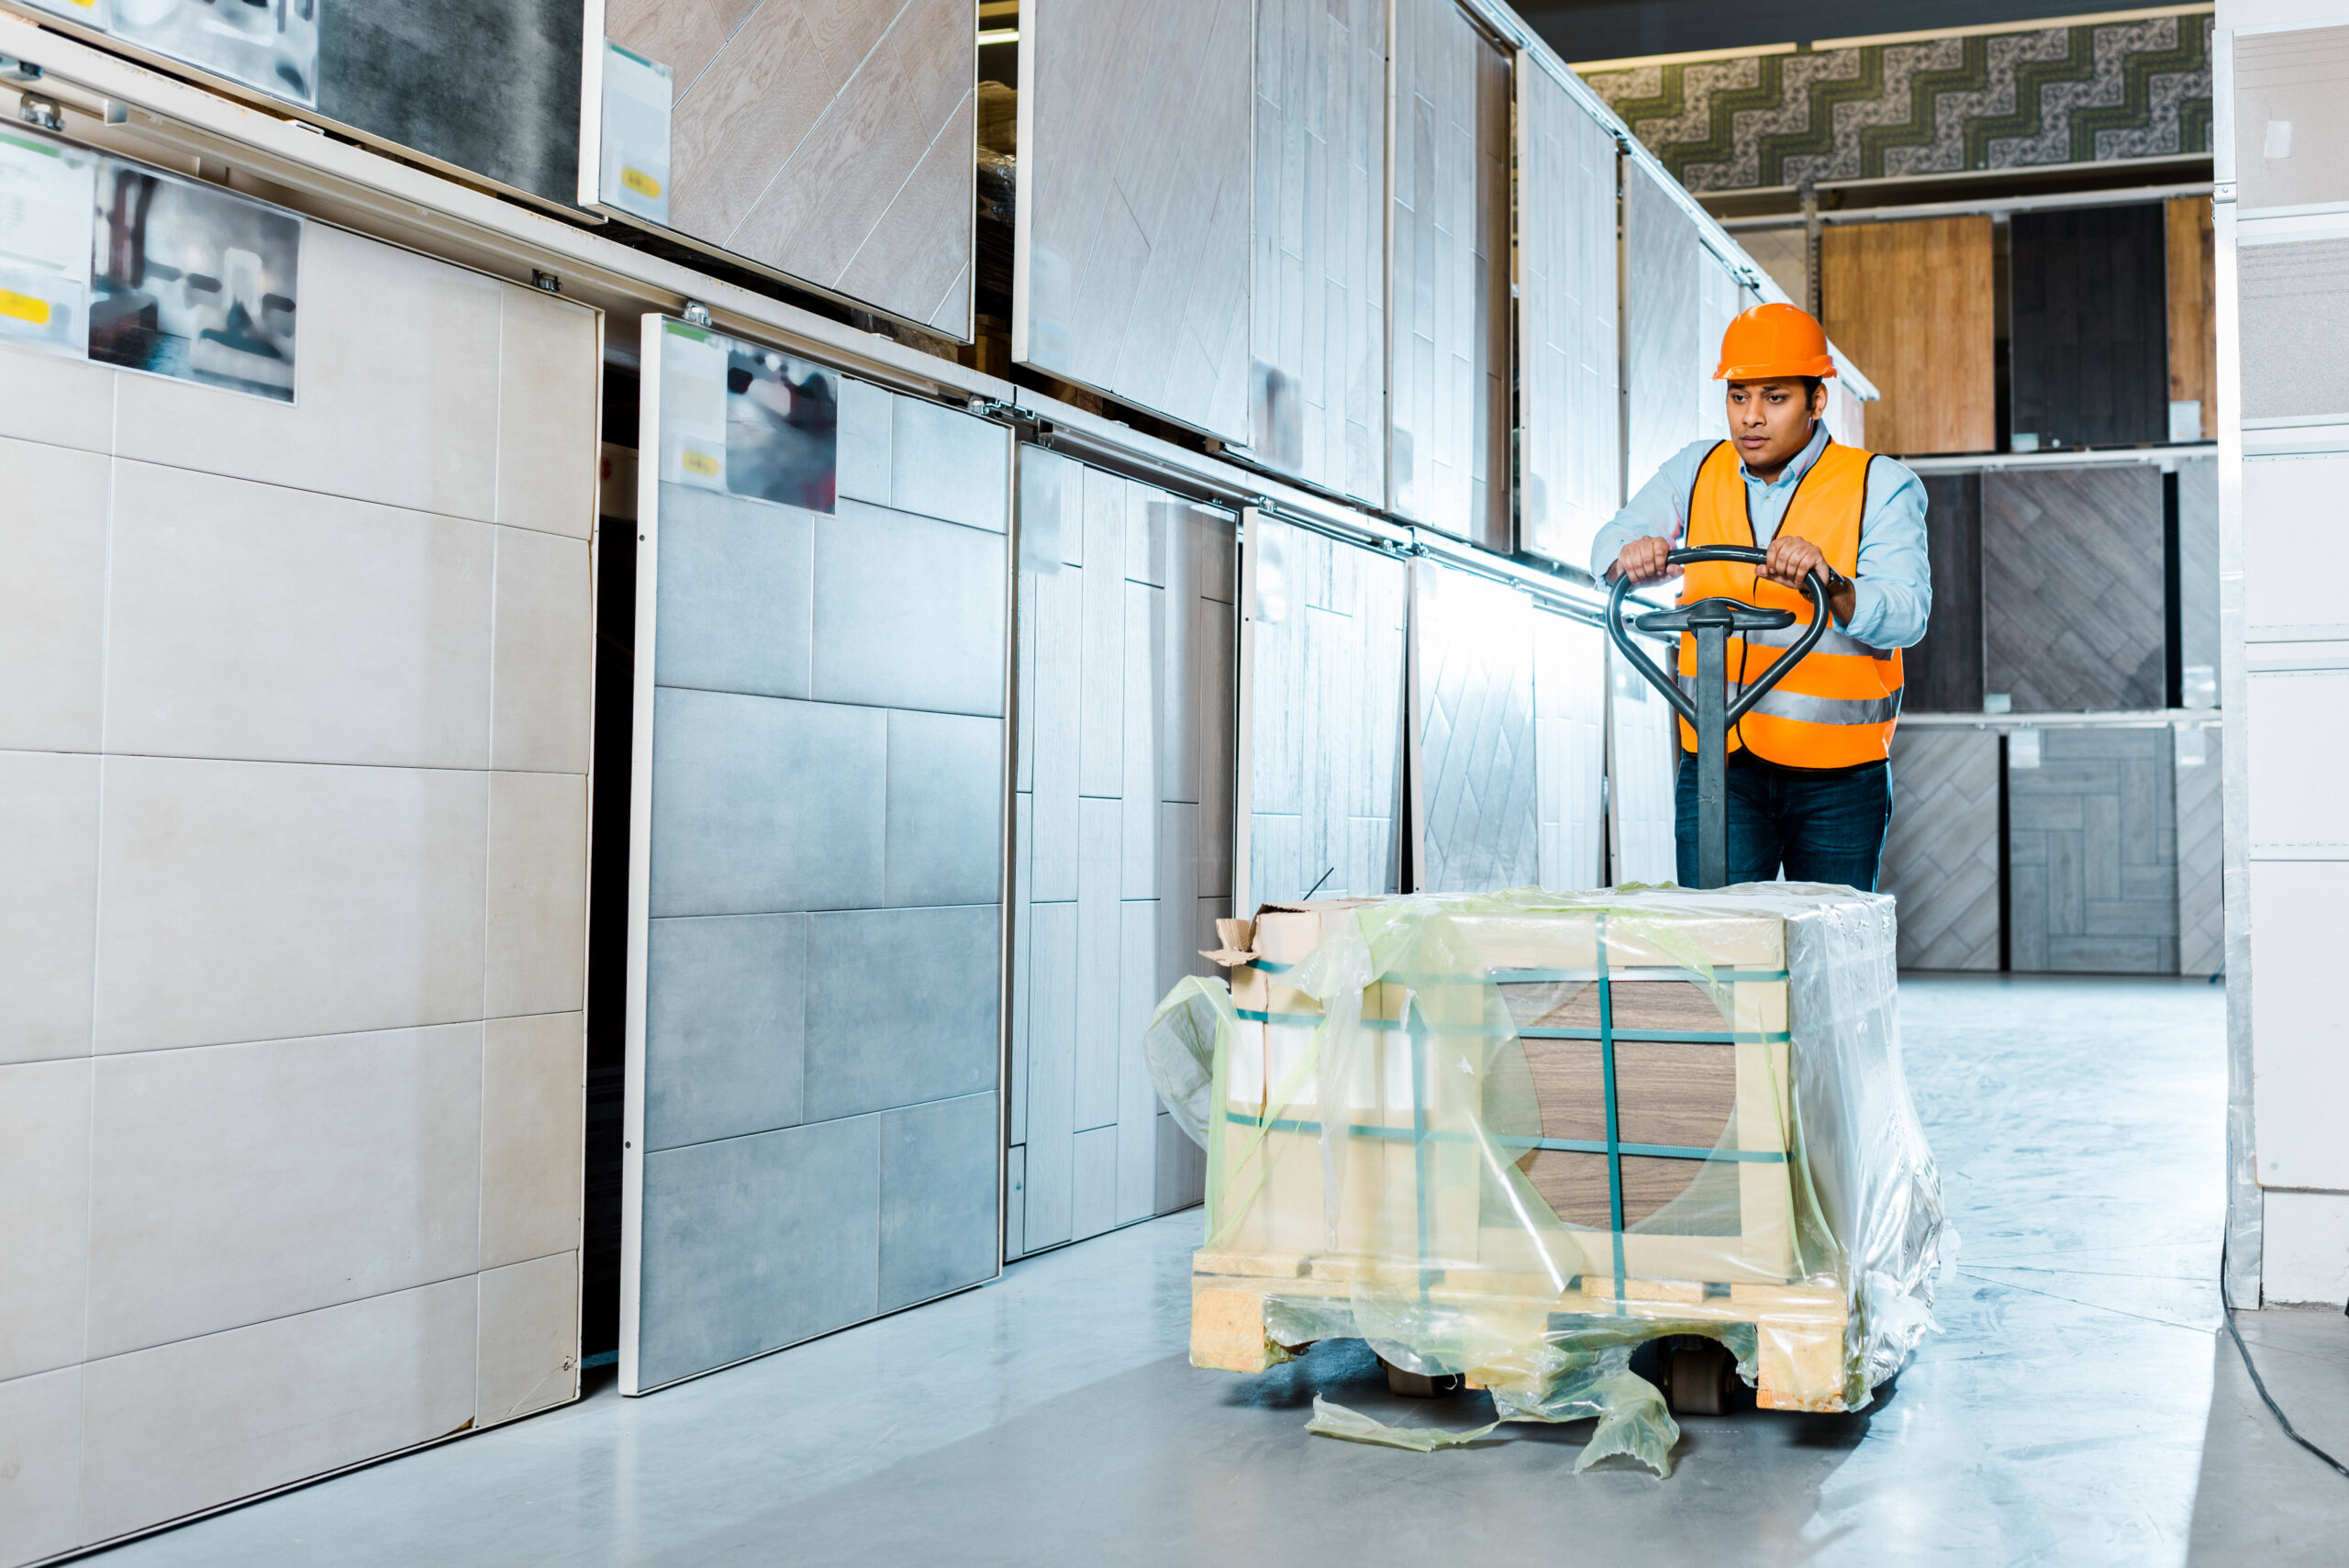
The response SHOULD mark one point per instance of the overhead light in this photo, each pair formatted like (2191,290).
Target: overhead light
(999,35)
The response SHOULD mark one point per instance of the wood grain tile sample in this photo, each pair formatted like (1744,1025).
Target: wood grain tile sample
(1134,204)
(832,141)
(1449,358)
(2088,344)
(1940,854)
(2201,909)
(2092,854)
(1317,338)
(1942,674)
(2193,318)
(1913,302)
(2073,599)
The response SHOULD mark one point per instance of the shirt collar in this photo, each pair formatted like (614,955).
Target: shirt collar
(1796,466)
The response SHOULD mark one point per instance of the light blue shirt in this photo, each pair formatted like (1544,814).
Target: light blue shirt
(1892,589)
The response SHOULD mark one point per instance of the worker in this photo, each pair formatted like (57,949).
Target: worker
(1809,777)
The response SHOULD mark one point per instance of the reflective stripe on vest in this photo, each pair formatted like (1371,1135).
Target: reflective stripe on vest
(1837,708)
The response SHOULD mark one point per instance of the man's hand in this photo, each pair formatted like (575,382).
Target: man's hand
(1792,559)
(1643,561)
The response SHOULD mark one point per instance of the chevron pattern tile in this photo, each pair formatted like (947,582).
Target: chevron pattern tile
(1941,856)
(2201,909)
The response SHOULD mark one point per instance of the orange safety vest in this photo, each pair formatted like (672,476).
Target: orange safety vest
(1836,709)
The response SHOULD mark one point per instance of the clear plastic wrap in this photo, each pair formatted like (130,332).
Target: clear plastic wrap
(1512,1135)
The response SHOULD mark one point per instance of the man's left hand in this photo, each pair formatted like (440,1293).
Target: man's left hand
(1790,560)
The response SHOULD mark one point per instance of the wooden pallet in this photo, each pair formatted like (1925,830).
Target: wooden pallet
(1800,1329)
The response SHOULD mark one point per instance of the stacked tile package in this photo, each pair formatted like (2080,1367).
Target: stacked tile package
(1510,1136)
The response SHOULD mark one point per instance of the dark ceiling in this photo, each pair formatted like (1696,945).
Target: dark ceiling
(1610,29)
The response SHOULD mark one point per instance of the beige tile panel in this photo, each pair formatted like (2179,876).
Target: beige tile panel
(683,34)
(40,1462)
(236,1183)
(261,901)
(528,1356)
(536,927)
(52,593)
(916,252)
(548,438)
(742,119)
(44,1219)
(840,182)
(68,403)
(545,652)
(266,624)
(398,389)
(846,30)
(533,1098)
(49,903)
(188,1425)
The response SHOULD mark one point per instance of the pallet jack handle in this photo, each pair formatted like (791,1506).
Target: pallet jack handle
(1709,710)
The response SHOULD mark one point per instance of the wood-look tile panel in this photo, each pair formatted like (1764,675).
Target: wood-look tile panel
(2089,343)
(684,35)
(902,250)
(2193,309)
(742,119)
(1913,302)
(1940,854)
(2073,600)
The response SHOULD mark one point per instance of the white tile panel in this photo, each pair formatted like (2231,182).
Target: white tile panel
(533,1083)
(1641,750)
(60,402)
(2292,548)
(528,1355)
(547,385)
(2296,764)
(1669,329)
(1570,410)
(49,903)
(1472,712)
(536,921)
(2300,1048)
(256,900)
(242,1183)
(52,597)
(44,1224)
(545,652)
(264,624)
(2304,1250)
(183,1427)
(399,399)
(1316,386)
(1570,742)
(40,1461)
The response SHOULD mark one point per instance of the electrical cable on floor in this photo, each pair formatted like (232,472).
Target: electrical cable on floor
(2228,1308)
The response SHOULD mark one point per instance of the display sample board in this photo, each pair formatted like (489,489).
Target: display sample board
(1317,373)
(1474,773)
(2201,903)
(1940,854)
(832,142)
(1570,461)
(1323,640)
(2088,334)
(1449,354)
(1642,754)
(1131,272)
(1570,738)
(1122,848)
(1680,300)
(2198,581)
(2295,320)
(1915,301)
(815,883)
(2073,599)
(2193,319)
(2291,119)
(1943,673)
(2092,852)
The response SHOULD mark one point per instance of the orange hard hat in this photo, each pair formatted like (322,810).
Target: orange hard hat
(1771,341)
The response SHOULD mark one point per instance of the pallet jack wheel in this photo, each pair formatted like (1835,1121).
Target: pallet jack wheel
(1698,1378)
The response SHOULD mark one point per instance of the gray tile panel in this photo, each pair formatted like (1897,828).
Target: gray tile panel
(752,1243)
(1058,675)
(867,417)
(2072,587)
(1570,742)
(762,804)
(940,1171)
(1478,768)
(737,580)
(1940,854)
(2201,912)
(724,999)
(1137,993)
(1664,352)
(1052,1068)
(2091,855)
(2197,581)
(1023,967)
(1182,1167)
(901,1007)
(945,463)
(1094,1084)
(2295,325)
(944,834)
(1101,712)
(908,612)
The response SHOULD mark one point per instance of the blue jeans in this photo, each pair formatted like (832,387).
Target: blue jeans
(1822,826)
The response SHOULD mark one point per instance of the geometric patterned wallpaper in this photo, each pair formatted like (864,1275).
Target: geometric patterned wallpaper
(2005,100)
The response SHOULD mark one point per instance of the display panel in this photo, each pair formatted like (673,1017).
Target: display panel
(813,1132)
(1475,769)
(830,141)
(2088,327)
(1122,836)
(1666,357)
(1130,266)
(1642,757)
(1940,854)
(1570,735)
(2074,605)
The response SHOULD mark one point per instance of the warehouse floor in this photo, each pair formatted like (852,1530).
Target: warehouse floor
(2080,1407)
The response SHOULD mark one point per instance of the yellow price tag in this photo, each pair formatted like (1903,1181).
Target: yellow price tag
(24,307)
(642,183)
(694,460)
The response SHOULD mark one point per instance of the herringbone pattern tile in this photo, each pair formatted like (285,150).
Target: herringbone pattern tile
(2092,854)
(1941,857)
(2201,912)
(2072,589)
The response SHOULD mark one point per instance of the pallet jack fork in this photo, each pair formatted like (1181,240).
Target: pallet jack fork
(1703,700)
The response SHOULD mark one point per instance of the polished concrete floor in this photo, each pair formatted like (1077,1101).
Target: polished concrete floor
(2079,1406)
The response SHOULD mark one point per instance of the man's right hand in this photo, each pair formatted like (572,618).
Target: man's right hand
(1643,561)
